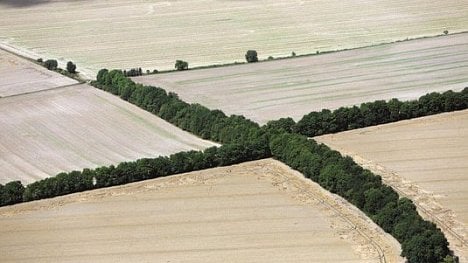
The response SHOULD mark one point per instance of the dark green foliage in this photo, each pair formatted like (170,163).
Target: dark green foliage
(133,72)
(283,124)
(425,247)
(71,67)
(379,112)
(421,240)
(195,118)
(51,64)
(127,172)
(39,60)
(251,56)
(11,193)
(244,141)
(181,65)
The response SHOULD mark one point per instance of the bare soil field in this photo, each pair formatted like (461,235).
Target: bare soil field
(17,76)
(295,87)
(253,212)
(425,159)
(76,127)
(153,34)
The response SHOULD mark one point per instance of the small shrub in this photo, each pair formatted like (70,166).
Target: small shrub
(51,64)
(71,67)
(181,65)
(251,56)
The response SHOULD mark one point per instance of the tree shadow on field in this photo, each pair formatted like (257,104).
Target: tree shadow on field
(22,3)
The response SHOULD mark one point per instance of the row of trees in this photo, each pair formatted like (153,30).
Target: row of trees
(421,240)
(195,118)
(133,72)
(52,64)
(244,140)
(375,113)
(128,172)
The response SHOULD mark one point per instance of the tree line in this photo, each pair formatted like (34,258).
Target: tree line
(421,240)
(128,172)
(244,140)
(208,124)
(374,113)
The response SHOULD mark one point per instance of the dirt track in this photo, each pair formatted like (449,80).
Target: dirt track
(424,159)
(254,212)
(295,87)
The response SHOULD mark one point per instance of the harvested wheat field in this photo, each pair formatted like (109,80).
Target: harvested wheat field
(259,211)
(425,159)
(153,34)
(17,76)
(76,127)
(295,87)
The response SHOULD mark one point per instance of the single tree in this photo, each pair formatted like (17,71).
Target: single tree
(71,67)
(181,65)
(446,32)
(51,64)
(251,56)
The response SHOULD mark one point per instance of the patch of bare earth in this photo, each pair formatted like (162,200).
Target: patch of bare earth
(295,87)
(259,211)
(424,159)
(76,127)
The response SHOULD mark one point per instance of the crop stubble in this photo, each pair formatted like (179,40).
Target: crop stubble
(153,34)
(76,127)
(294,87)
(253,212)
(424,159)
(18,76)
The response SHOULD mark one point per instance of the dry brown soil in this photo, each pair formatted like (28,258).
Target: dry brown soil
(425,159)
(253,212)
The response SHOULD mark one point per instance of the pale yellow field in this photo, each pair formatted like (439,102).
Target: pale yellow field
(153,34)
(76,127)
(425,159)
(17,76)
(295,87)
(253,212)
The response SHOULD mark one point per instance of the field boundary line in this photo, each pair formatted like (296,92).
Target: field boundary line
(325,52)
(39,91)
(389,176)
(377,247)
(324,202)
